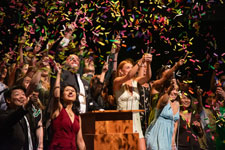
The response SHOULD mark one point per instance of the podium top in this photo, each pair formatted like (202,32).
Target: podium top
(109,115)
(116,111)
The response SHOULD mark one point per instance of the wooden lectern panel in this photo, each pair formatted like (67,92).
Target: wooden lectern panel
(109,130)
(117,141)
(107,122)
(116,126)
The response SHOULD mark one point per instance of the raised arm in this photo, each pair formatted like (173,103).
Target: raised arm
(158,83)
(112,60)
(66,39)
(141,71)
(37,48)
(163,100)
(143,79)
(213,77)
(95,86)
(57,83)
(21,43)
(83,44)
(12,75)
(115,49)
(36,78)
(21,53)
(199,98)
(33,61)
(34,82)
(104,70)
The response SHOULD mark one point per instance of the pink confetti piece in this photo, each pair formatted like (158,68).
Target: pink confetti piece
(126,24)
(122,11)
(195,102)
(194,136)
(197,60)
(192,60)
(215,54)
(207,106)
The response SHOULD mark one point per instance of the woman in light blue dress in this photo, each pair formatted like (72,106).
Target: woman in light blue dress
(160,135)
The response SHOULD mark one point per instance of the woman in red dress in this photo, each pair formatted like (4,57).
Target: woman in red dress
(66,122)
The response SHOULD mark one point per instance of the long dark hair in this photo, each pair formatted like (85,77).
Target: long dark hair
(188,95)
(76,103)
(160,71)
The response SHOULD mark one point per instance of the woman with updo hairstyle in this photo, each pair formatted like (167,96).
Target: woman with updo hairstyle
(125,88)
(162,131)
(66,122)
(158,87)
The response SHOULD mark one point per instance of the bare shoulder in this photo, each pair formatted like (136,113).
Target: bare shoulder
(177,103)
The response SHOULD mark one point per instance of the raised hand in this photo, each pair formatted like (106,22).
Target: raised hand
(199,91)
(180,62)
(58,68)
(37,48)
(216,66)
(68,34)
(116,45)
(220,92)
(118,42)
(197,124)
(148,57)
(22,40)
(83,42)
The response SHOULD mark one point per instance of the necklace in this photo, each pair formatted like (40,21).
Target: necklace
(70,114)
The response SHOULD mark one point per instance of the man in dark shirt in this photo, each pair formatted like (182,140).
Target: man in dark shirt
(71,75)
(14,125)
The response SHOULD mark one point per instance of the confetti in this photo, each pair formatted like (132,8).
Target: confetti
(151,21)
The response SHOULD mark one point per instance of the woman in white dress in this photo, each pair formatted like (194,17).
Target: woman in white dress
(125,88)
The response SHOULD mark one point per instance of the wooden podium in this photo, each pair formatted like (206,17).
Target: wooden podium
(109,130)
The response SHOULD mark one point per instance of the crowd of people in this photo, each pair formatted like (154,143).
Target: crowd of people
(41,101)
